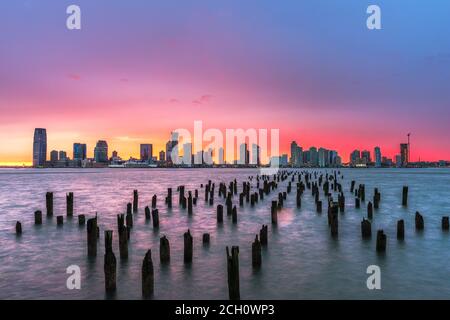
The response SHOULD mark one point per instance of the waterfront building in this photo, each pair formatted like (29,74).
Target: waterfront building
(221,159)
(187,154)
(101,152)
(404,154)
(256,155)
(243,154)
(146,152)
(355,157)
(313,157)
(162,156)
(54,157)
(365,157)
(39,147)
(62,156)
(79,151)
(378,158)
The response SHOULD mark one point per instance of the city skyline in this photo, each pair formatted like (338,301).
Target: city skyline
(231,65)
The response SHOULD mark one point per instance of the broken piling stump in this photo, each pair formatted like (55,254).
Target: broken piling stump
(405,196)
(263,235)
(188,247)
(400,229)
(92,237)
(206,238)
(155,218)
(219,213)
(445,223)
(256,253)
(81,220)
(18,228)
(419,221)
(49,203)
(164,250)
(59,220)
(381,241)
(233,273)
(135,201)
(366,229)
(147,275)
(110,263)
(69,204)
(38,217)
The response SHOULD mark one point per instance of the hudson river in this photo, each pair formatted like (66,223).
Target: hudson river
(301,261)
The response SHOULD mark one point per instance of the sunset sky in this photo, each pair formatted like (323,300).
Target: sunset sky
(139,69)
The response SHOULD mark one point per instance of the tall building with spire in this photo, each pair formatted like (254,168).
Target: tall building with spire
(39,147)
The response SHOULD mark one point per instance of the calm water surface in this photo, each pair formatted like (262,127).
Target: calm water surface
(302,261)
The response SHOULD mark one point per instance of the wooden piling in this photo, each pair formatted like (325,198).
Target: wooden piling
(188,247)
(273,211)
(38,217)
(233,273)
(256,253)
(263,235)
(219,213)
(49,203)
(18,228)
(419,221)
(81,220)
(147,275)
(445,223)
(319,206)
(147,213)
(400,229)
(129,219)
(381,241)
(206,238)
(155,218)
(135,201)
(357,203)
(110,263)
(234,215)
(169,198)
(164,250)
(405,196)
(59,220)
(366,229)
(69,204)
(369,210)
(154,201)
(92,237)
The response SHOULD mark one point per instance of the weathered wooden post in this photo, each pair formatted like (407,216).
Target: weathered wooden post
(135,201)
(123,237)
(219,213)
(155,218)
(81,220)
(333,219)
(263,235)
(273,211)
(129,219)
(188,247)
(233,273)
(38,217)
(147,275)
(164,250)
(445,223)
(256,253)
(234,215)
(169,198)
(154,201)
(109,263)
(381,241)
(206,238)
(319,206)
(92,237)
(400,229)
(405,196)
(369,210)
(357,203)
(366,229)
(419,221)
(18,228)
(49,203)
(147,213)
(299,200)
(352,187)
(59,220)
(69,204)
(190,203)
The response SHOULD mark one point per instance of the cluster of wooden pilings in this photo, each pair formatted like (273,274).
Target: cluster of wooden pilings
(256,190)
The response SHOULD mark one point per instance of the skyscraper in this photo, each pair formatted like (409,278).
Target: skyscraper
(79,151)
(54,156)
(243,154)
(162,156)
(355,157)
(187,153)
(39,147)
(313,157)
(323,157)
(256,155)
(62,155)
(146,152)
(365,156)
(172,148)
(296,154)
(377,152)
(101,151)
(221,156)
(404,154)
